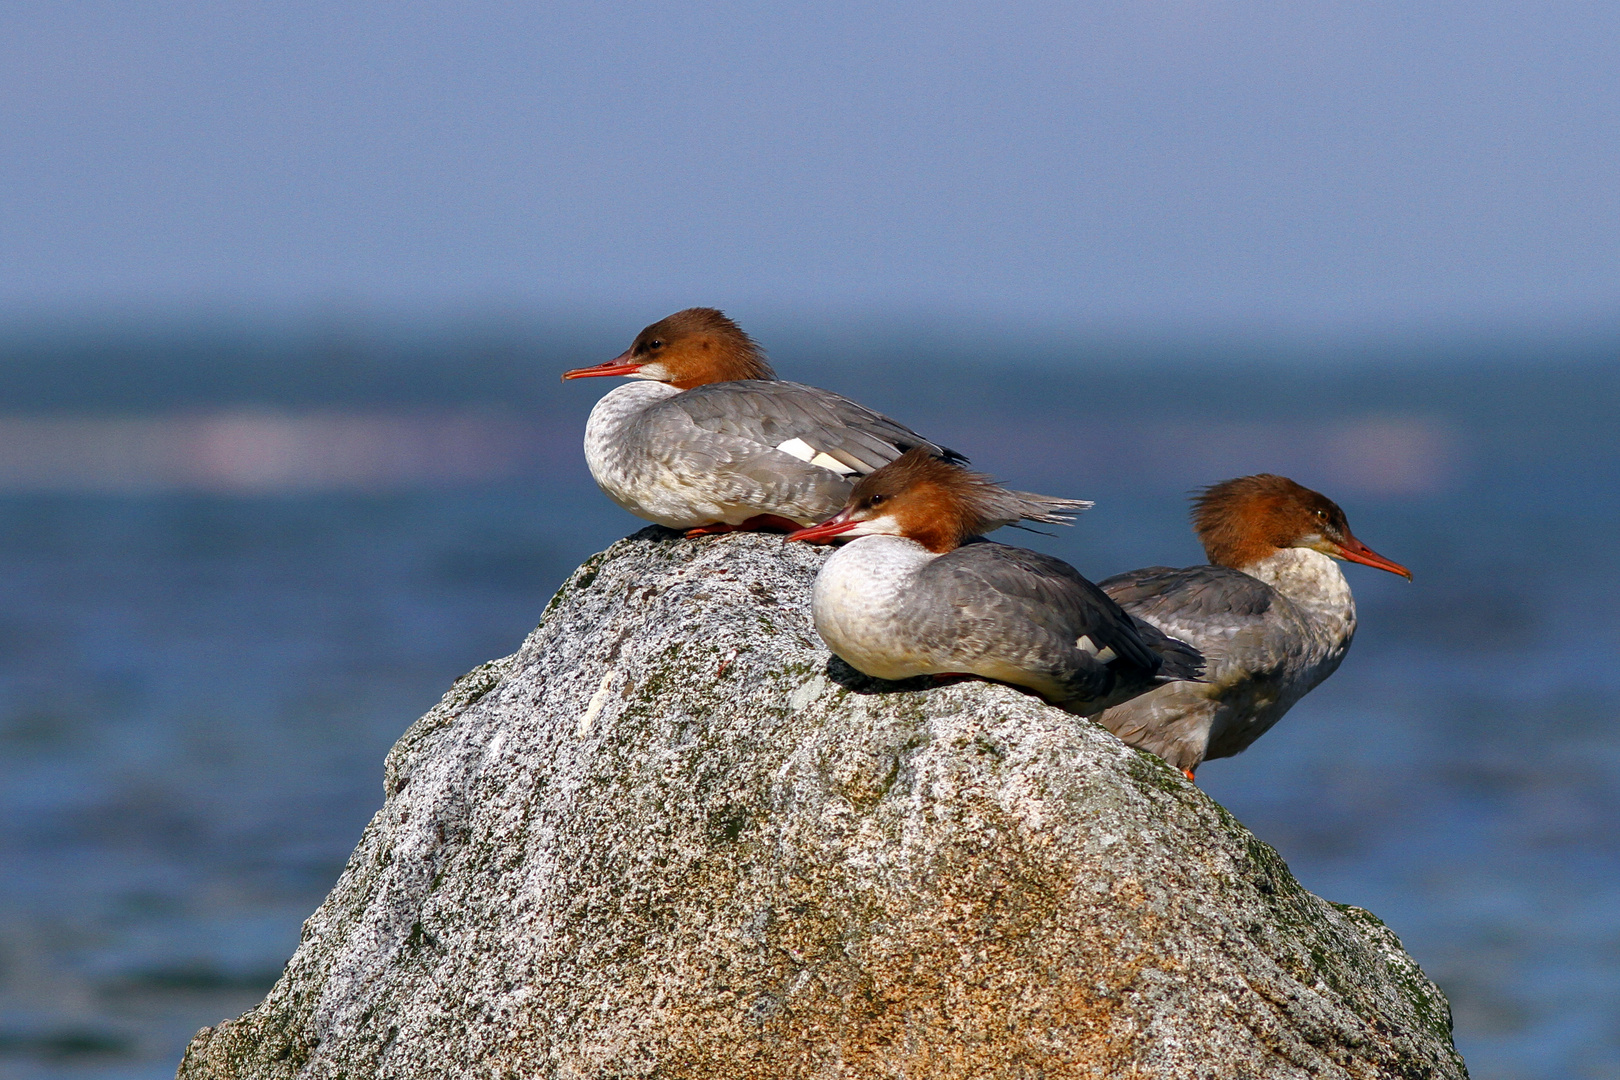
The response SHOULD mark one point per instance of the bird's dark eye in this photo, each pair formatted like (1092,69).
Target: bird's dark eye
(875,499)
(651,345)
(1321,515)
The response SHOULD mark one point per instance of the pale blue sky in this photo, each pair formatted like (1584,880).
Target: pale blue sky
(1139,164)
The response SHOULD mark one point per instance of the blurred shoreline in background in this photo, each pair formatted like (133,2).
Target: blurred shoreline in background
(242,451)
(334,404)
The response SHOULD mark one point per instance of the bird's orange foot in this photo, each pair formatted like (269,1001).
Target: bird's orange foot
(1189,775)
(757,523)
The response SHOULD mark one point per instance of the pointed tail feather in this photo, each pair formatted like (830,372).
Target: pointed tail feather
(1179,661)
(1005,507)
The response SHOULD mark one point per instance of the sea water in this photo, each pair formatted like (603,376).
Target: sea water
(197,690)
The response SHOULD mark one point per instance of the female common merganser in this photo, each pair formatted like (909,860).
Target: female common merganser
(920,593)
(710,441)
(1272,615)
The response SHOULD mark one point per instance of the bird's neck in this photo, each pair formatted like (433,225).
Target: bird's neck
(1309,578)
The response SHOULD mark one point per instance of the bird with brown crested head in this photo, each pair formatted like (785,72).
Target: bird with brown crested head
(1243,521)
(706,439)
(690,348)
(916,590)
(937,504)
(1271,612)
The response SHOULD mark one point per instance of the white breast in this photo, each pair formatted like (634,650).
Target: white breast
(1323,606)
(628,474)
(859,600)
(607,451)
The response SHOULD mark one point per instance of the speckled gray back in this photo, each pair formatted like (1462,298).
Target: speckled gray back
(668,839)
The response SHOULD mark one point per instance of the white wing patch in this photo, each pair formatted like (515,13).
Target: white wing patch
(798,448)
(1085,644)
(805,452)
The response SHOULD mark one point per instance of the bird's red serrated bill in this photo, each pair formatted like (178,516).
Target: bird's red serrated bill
(619,365)
(825,531)
(1355,551)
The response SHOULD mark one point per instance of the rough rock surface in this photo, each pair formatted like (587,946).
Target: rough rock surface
(670,838)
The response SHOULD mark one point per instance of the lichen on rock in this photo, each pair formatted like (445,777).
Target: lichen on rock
(672,838)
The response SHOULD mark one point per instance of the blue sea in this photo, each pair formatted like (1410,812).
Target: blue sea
(199,680)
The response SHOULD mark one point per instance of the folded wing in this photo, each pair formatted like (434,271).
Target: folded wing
(1039,612)
(805,422)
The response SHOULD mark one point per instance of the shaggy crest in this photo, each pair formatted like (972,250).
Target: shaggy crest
(1245,520)
(941,504)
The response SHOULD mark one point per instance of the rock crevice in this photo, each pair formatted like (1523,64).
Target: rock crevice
(671,837)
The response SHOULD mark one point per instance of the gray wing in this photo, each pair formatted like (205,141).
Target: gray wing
(734,476)
(1206,605)
(1009,585)
(1225,613)
(772,413)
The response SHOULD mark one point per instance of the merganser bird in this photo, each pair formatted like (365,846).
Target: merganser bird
(921,593)
(708,440)
(1272,615)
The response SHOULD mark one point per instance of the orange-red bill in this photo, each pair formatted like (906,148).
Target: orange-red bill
(619,365)
(1356,551)
(825,531)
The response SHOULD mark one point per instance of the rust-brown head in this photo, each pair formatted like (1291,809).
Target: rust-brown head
(689,348)
(1245,520)
(935,503)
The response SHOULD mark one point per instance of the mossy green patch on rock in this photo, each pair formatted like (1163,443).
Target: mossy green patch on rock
(667,839)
